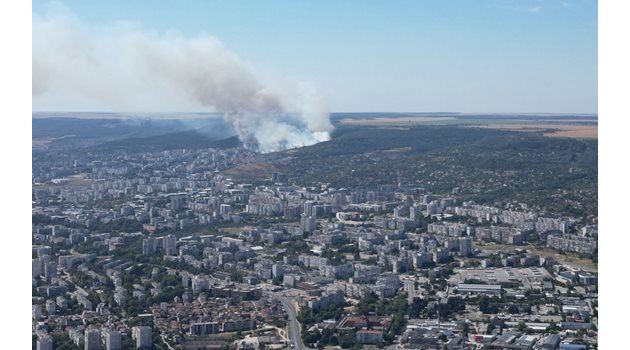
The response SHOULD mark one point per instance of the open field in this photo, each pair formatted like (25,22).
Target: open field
(568,258)
(235,230)
(250,171)
(560,130)
(41,142)
(71,181)
(387,121)
(584,120)
(588,132)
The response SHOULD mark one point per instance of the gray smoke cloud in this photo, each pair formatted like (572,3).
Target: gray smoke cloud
(125,68)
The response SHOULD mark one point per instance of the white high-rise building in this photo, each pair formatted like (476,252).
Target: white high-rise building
(225,209)
(45,342)
(414,212)
(170,245)
(50,269)
(465,246)
(149,245)
(37,312)
(277,270)
(51,307)
(199,284)
(177,203)
(308,208)
(411,291)
(113,340)
(142,335)
(433,208)
(37,267)
(309,223)
(92,339)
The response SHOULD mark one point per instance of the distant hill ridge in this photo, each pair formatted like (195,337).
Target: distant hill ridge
(182,139)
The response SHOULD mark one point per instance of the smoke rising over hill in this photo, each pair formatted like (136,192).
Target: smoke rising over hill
(125,68)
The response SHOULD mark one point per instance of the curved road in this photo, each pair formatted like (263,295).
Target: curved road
(293,325)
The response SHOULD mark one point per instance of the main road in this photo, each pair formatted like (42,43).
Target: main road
(293,325)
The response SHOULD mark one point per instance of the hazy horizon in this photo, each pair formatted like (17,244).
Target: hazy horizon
(277,88)
(218,114)
(496,56)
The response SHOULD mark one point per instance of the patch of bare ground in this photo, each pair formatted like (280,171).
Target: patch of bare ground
(41,142)
(383,121)
(567,258)
(398,150)
(559,130)
(250,171)
(71,181)
(585,120)
(586,133)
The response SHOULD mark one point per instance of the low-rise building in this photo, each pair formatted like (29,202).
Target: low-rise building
(479,288)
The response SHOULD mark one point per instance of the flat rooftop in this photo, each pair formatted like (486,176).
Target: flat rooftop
(501,275)
(463,287)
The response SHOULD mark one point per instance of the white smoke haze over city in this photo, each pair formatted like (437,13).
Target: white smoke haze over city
(123,67)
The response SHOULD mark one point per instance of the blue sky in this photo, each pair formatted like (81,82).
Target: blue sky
(465,56)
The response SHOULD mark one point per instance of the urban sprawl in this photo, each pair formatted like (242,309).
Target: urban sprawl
(161,249)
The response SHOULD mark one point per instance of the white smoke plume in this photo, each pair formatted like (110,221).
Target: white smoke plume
(124,68)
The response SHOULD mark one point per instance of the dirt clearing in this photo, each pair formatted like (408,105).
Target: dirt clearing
(556,130)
